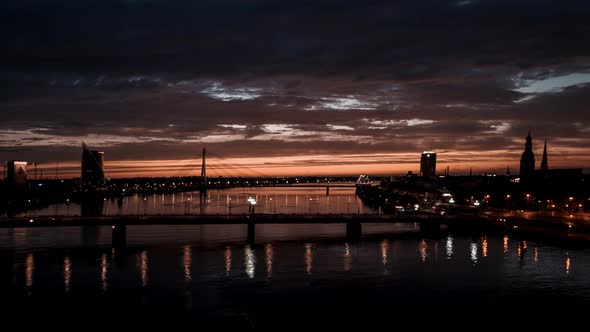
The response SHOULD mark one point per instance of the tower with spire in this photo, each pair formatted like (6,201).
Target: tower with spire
(527,161)
(544,163)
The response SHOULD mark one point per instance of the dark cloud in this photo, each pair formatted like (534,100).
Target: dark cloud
(154,79)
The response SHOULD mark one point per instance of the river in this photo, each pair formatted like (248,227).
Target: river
(292,277)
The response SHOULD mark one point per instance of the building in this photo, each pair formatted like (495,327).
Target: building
(16,173)
(544,163)
(527,161)
(428,164)
(92,167)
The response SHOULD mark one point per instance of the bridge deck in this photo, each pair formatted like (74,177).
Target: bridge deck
(213,219)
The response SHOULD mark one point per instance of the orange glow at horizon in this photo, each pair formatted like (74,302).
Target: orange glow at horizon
(301,165)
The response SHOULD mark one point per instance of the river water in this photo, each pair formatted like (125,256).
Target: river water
(292,277)
(300,200)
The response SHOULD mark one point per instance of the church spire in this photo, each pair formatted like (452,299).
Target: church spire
(527,161)
(544,163)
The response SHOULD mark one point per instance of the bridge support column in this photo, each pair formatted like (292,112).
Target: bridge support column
(327,190)
(119,239)
(251,231)
(353,230)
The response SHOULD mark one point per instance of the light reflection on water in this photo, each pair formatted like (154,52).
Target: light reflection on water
(473,252)
(288,263)
(142,267)
(268,253)
(423,250)
(384,251)
(308,258)
(187,262)
(249,261)
(506,244)
(67,273)
(347,257)
(449,247)
(104,270)
(227,259)
(30,269)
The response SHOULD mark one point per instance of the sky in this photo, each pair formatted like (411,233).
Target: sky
(293,87)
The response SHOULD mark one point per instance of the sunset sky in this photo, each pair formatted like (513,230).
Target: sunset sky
(293,87)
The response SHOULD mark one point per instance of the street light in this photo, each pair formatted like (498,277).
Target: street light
(274,205)
(188,206)
(348,205)
(252,202)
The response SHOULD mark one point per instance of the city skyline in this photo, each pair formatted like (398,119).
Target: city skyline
(289,99)
(317,165)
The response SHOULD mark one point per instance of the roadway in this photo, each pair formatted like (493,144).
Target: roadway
(213,219)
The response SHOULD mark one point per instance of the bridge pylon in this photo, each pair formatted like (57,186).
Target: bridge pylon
(204,169)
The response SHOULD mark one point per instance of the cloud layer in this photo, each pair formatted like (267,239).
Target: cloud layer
(285,81)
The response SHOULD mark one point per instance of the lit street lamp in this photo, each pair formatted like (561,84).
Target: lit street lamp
(274,205)
(252,203)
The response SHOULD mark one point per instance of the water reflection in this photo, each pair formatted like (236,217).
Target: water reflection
(521,251)
(308,258)
(249,261)
(50,272)
(484,246)
(187,262)
(20,236)
(506,244)
(29,271)
(67,273)
(268,254)
(423,250)
(384,251)
(227,259)
(104,270)
(347,257)
(222,201)
(473,253)
(449,247)
(142,266)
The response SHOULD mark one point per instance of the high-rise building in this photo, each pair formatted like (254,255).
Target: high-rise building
(92,167)
(428,164)
(527,161)
(16,172)
(544,162)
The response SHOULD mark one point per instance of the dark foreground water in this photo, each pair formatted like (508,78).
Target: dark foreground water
(293,277)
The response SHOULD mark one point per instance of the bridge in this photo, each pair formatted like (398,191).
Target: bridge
(119,223)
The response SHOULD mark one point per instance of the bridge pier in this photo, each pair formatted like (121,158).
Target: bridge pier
(353,230)
(119,239)
(251,231)
(327,190)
